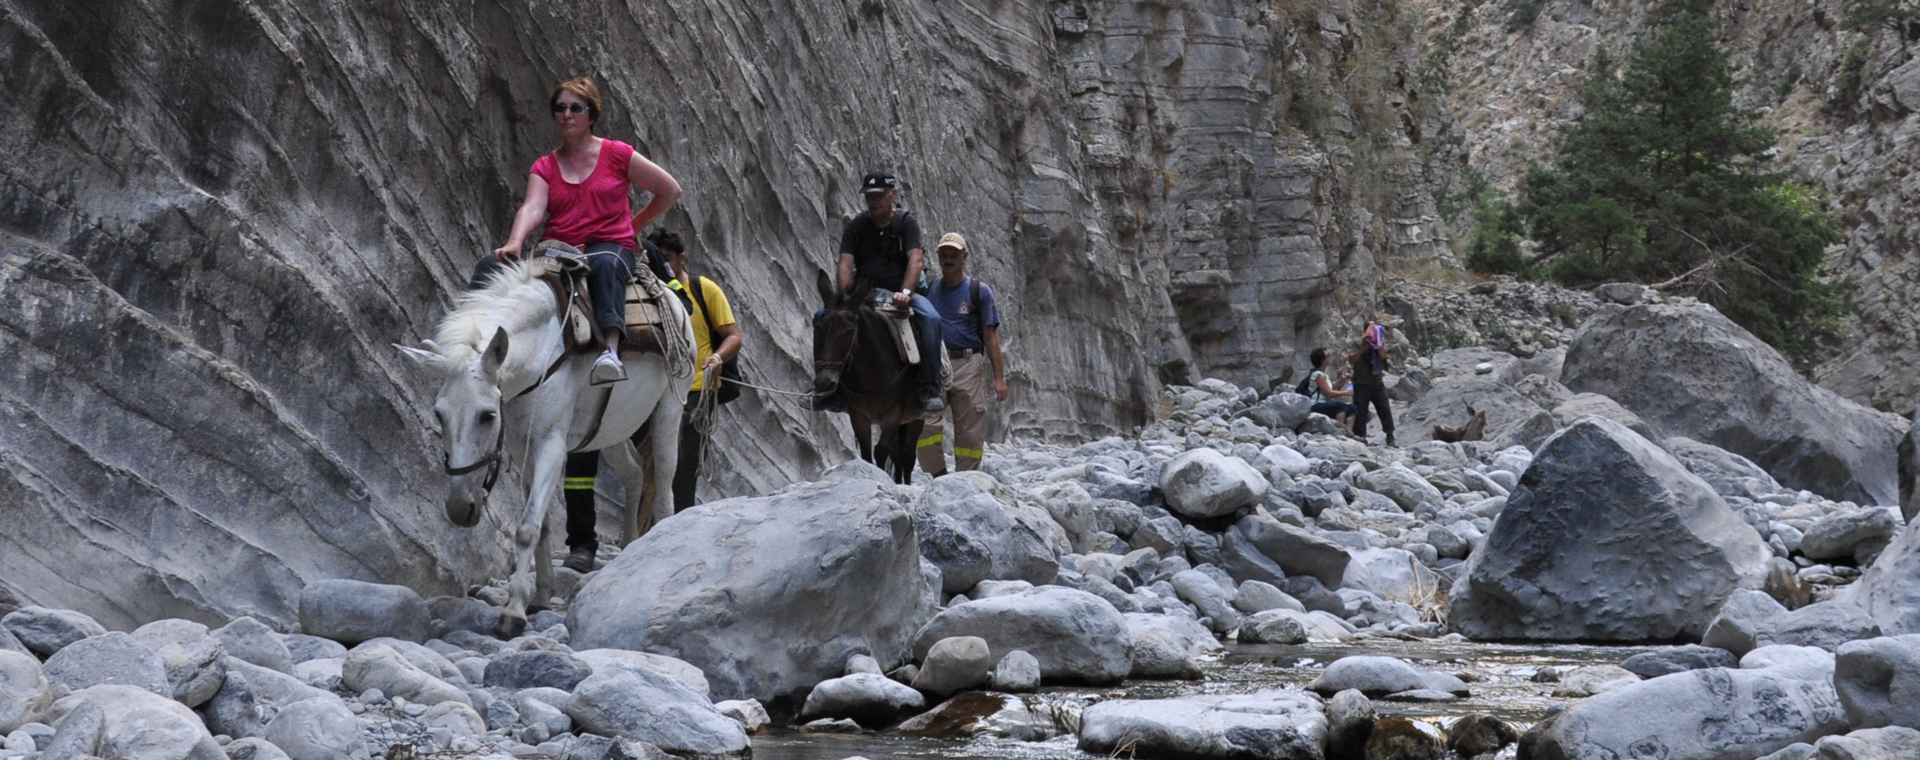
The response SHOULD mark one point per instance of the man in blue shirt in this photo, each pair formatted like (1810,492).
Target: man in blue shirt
(970,326)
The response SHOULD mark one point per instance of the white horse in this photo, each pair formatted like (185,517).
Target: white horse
(511,395)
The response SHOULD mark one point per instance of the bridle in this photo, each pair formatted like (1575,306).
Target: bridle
(492,459)
(840,365)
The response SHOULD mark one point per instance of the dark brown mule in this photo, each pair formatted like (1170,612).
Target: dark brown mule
(860,364)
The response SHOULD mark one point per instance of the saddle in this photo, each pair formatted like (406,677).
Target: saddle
(646,316)
(900,318)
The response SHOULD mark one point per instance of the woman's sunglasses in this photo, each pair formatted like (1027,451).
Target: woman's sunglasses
(569,107)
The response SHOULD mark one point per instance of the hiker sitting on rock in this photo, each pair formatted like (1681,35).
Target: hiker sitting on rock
(1327,399)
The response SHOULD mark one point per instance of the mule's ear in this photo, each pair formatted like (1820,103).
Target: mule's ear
(429,356)
(495,355)
(825,286)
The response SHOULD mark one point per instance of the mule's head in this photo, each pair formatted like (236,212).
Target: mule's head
(468,408)
(837,328)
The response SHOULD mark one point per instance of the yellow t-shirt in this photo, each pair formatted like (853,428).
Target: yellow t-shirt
(702,340)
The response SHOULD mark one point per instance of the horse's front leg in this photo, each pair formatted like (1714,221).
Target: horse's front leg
(664,460)
(548,459)
(862,433)
(905,439)
(627,464)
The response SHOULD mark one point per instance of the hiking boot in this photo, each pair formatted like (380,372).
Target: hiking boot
(1390,443)
(580,560)
(608,369)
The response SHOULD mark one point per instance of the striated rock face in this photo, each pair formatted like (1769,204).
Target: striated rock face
(213,224)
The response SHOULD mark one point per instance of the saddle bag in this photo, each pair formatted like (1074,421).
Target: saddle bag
(568,278)
(646,314)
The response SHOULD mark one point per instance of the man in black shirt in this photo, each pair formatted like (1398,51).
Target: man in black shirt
(882,247)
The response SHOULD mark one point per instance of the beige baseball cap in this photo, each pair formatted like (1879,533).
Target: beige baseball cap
(952,240)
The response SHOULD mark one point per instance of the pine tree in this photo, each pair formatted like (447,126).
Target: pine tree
(1657,182)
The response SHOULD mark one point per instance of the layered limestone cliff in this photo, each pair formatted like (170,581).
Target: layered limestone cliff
(215,218)
(1845,97)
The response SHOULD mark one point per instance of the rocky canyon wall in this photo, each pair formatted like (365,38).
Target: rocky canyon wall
(216,215)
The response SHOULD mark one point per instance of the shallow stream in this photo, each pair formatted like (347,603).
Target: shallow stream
(1498,676)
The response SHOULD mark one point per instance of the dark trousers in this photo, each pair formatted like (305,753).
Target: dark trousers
(609,266)
(686,474)
(582,468)
(1377,396)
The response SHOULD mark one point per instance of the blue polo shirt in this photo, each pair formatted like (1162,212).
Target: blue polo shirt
(957,324)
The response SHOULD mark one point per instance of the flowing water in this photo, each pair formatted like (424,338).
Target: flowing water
(1498,676)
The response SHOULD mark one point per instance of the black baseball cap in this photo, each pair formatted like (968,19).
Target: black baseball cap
(878,182)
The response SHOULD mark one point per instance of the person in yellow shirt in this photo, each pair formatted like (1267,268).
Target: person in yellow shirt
(712,317)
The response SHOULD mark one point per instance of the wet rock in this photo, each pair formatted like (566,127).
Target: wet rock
(1593,679)
(380,667)
(688,587)
(1476,734)
(1273,627)
(978,713)
(109,658)
(1280,725)
(873,701)
(953,664)
(751,715)
(1260,596)
(1662,662)
(1651,555)
(1205,483)
(1016,672)
(1156,656)
(251,640)
(317,729)
(1878,681)
(1704,377)
(1074,635)
(678,669)
(831,726)
(1854,535)
(45,631)
(25,693)
(351,612)
(195,662)
(1376,676)
(139,723)
(526,670)
(1349,723)
(1398,738)
(653,708)
(1892,743)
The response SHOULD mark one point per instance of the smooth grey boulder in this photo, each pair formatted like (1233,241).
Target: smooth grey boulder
(1891,743)
(1889,589)
(1513,418)
(1730,474)
(1378,676)
(651,707)
(10,644)
(351,612)
(1704,377)
(1752,619)
(681,670)
(254,749)
(1179,628)
(1607,537)
(1215,603)
(1404,486)
(767,595)
(1155,655)
(1018,539)
(317,729)
(436,664)
(380,667)
(1284,410)
(461,613)
(1583,404)
(44,631)
(1074,635)
(1292,550)
(963,562)
(303,647)
(953,664)
(751,715)
(1273,725)
(1588,680)
(109,658)
(1205,483)
(1661,662)
(536,668)
(235,710)
(141,724)
(1740,622)
(251,640)
(1259,596)
(1017,671)
(1856,535)
(196,662)
(25,693)
(1350,720)
(77,735)
(1273,627)
(1878,681)
(873,701)
(1709,714)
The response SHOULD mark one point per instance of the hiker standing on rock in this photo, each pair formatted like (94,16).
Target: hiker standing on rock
(579,192)
(970,327)
(1370,381)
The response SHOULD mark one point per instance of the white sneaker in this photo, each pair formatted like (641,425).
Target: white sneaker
(608,369)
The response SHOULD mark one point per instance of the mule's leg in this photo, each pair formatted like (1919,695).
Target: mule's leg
(548,457)
(630,467)
(904,438)
(542,568)
(665,440)
(862,433)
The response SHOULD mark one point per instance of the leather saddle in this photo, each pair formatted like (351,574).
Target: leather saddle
(645,314)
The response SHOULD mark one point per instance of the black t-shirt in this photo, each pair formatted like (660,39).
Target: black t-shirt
(880,253)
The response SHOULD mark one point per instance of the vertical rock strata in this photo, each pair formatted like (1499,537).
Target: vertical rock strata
(213,221)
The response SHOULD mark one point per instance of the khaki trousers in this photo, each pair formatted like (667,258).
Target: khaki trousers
(967,402)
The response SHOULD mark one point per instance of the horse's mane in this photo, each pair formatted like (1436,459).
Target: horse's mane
(514,298)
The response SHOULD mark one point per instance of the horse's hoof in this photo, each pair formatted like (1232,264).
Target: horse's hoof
(510,626)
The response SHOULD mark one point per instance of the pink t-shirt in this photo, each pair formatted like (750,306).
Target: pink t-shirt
(594,210)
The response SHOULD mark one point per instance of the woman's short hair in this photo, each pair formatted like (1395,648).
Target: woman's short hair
(668,241)
(582,87)
(1318,357)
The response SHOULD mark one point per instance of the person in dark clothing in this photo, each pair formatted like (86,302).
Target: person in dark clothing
(882,247)
(1369,363)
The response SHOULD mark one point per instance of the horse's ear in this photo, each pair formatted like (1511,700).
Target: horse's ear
(495,355)
(825,285)
(429,356)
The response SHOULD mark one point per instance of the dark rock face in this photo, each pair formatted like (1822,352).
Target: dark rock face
(1699,375)
(1607,537)
(217,221)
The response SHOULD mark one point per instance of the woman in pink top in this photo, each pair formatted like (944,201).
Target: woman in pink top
(580,193)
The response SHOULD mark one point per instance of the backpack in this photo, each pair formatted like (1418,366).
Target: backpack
(729,369)
(1305,388)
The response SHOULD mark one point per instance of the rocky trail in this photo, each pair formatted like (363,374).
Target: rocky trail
(1241,578)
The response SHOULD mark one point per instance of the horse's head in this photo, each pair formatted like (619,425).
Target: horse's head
(469,410)
(838,329)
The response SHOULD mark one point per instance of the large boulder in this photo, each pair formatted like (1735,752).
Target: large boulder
(1513,419)
(1878,681)
(317,729)
(24,691)
(110,658)
(1404,486)
(1018,539)
(44,631)
(141,724)
(350,611)
(1711,714)
(1730,474)
(1075,636)
(1205,483)
(1702,376)
(870,699)
(646,706)
(767,595)
(1889,590)
(195,661)
(1606,537)
(1261,548)
(1270,725)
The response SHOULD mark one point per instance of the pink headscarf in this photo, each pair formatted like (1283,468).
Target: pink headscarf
(1376,336)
